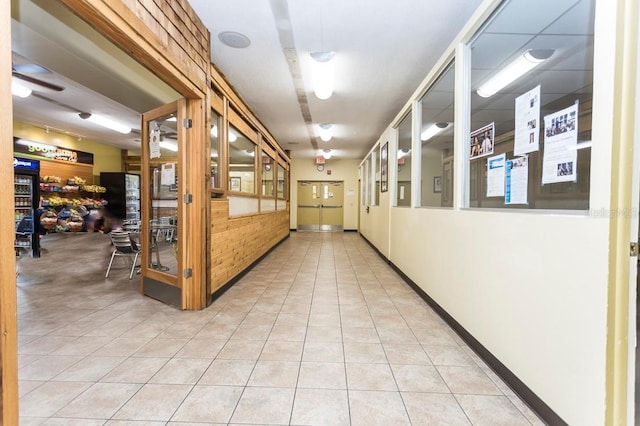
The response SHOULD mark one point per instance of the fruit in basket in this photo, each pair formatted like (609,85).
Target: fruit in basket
(49,220)
(79,181)
(51,179)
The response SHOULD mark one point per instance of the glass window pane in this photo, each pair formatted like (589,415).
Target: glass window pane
(242,155)
(282,179)
(267,175)
(436,137)
(403,171)
(375,158)
(540,119)
(215,150)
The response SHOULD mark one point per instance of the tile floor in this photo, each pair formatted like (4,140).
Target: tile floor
(322,331)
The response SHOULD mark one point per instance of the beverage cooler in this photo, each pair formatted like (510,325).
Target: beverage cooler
(123,194)
(26,194)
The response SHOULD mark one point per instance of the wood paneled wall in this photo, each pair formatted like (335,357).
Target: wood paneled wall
(237,242)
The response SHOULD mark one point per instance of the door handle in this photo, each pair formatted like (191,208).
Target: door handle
(332,207)
(315,206)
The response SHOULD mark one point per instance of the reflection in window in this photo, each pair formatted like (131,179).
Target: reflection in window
(268,175)
(242,153)
(403,171)
(375,158)
(366,181)
(540,120)
(215,150)
(282,182)
(436,135)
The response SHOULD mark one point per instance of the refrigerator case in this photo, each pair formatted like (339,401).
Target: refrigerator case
(123,195)
(26,194)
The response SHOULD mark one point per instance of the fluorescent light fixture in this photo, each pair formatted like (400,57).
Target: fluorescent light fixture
(169,145)
(403,152)
(516,69)
(251,152)
(325,132)
(173,119)
(433,130)
(322,74)
(232,136)
(326,153)
(105,122)
(18,89)
(214,131)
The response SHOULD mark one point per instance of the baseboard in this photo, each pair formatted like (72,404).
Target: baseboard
(522,390)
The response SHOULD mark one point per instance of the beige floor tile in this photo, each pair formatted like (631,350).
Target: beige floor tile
(66,421)
(323,352)
(82,346)
(370,377)
(468,380)
(154,402)
(161,348)
(201,348)
(264,406)
(370,408)
(135,370)
(491,410)
(90,369)
(251,332)
(50,397)
(229,372)
(216,330)
(181,371)
(26,386)
(435,336)
(402,353)
(100,401)
(261,318)
(448,355)
(134,423)
(324,334)
(320,407)
(364,352)
(288,333)
(360,335)
(322,375)
(122,346)
(45,345)
(275,374)
(293,319)
(213,404)
(47,367)
(242,349)
(281,351)
(418,378)
(434,409)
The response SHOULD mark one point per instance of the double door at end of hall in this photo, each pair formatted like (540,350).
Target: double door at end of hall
(320,206)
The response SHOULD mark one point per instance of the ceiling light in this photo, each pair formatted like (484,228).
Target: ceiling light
(18,89)
(169,145)
(105,122)
(433,130)
(232,136)
(523,64)
(403,153)
(322,74)
(325,132)
(326,153)
(234,39)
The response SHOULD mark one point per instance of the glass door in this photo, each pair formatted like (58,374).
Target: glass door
(162,140)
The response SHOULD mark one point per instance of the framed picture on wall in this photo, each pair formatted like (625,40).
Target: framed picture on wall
(384,167)
(437,184)
(235,183)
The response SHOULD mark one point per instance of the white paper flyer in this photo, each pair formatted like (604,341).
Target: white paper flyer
(495,175)
(516,181)
(527,132)
(560,146)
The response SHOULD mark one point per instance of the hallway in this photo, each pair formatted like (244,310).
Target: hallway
(322,331)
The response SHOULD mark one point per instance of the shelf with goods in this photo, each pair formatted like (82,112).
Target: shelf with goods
(23,206)
(65,206)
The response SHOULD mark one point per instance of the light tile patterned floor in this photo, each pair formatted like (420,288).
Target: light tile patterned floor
(321,332)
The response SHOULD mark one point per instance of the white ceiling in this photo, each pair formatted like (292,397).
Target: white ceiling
(383,51)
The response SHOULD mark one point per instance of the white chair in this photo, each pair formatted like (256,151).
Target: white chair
(125,247)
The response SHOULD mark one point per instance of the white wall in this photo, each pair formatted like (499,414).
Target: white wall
(341,170)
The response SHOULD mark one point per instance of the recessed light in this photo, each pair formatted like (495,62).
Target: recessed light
(234,39)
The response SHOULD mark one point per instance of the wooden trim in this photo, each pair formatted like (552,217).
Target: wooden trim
(8,323)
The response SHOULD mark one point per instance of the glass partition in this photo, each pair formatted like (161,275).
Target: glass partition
(531,80)
(242,156)
(403,156)
(436,136)
(268,176)
(215,150)
(282,182)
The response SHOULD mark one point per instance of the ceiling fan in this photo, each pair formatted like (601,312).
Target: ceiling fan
(18,71)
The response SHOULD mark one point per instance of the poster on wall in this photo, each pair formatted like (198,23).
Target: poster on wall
(560,146)
(154,143)
(481,141)
(495,175)
(527,132)
(168,174)
(516,181)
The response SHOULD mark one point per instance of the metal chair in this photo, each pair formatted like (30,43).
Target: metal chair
(123,246)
